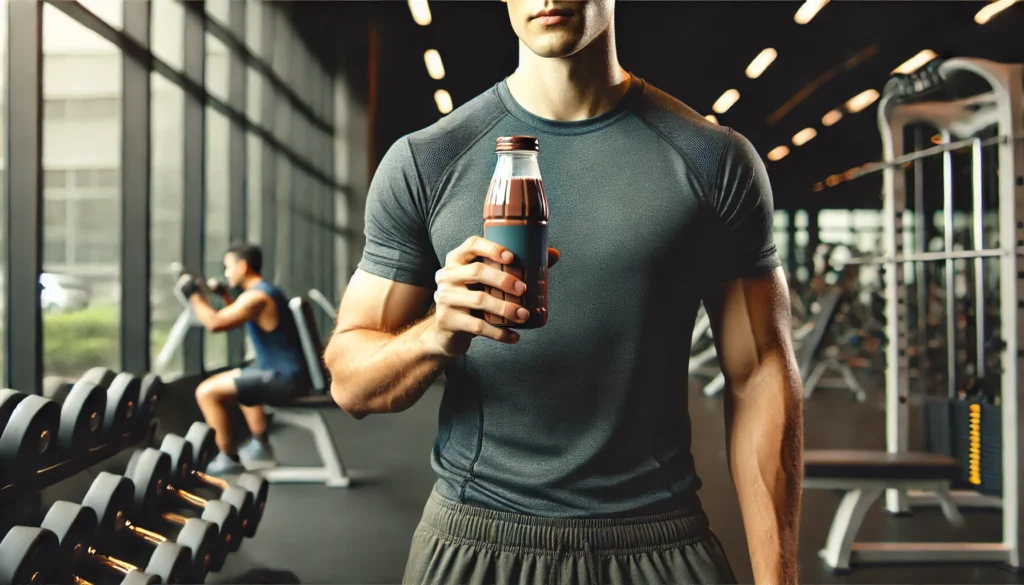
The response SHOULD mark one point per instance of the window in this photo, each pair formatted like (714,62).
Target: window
(283,176)
(81,197)
(110,11)
(219,10)
(254,189)
(254,27)
(168,31)
(254,95)
(218,218)
(3,183)
(167,216)
(216,68)
(341,243)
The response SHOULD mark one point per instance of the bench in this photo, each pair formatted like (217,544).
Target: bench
(864,476)
(305,412)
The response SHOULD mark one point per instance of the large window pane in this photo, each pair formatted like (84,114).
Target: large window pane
(167,212)
(283,176)
(254,189)
(254,26)
(81,199)
(3,183)
(111,11)
(217,215)
(168,31)
(254,96)
(219,11)
(216,68)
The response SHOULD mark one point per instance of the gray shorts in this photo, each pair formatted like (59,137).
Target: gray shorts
(257,386)
(455,543)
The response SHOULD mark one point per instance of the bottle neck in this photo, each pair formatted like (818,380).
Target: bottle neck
(517,164)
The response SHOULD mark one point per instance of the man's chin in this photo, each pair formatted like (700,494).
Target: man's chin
(555,48)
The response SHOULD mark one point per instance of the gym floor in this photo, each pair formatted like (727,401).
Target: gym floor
(315,535)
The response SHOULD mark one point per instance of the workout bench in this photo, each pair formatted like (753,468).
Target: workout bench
(332,473)
(864,476)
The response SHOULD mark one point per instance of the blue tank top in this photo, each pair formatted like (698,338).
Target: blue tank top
(279,350)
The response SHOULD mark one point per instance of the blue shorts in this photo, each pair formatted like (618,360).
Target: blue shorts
(258,386)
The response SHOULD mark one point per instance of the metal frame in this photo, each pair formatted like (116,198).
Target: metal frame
(1007,100)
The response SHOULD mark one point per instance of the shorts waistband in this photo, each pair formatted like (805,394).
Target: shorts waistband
(507,531)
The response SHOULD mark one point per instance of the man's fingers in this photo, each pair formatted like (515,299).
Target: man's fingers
(478,272)
(476,247)
(553,257)
(464,322)
(463,298)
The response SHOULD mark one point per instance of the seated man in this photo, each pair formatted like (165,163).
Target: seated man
(280,369)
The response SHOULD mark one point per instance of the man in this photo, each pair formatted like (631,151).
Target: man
(563,453)
(280,369)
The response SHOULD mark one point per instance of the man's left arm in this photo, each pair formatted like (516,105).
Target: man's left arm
(747,299)
(245,308)
(750,320)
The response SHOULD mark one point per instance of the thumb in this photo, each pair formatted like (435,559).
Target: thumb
(553,256)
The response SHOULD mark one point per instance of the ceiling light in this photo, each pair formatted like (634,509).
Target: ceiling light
(761,62)
(778,153)
(832,180)
(916,62)
(725,102)
(989,12)
(711,118)
(818,187)
(443,99)
(420,12)
(804,136)
(808,10)
(861,100)
(435,68)
(936,139)
(831,117)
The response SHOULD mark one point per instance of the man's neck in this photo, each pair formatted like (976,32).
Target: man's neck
(250,281)
(581,86)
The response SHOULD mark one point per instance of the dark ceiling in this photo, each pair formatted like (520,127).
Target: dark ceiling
(697,50)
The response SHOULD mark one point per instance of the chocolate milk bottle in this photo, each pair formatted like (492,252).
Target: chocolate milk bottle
(516,217)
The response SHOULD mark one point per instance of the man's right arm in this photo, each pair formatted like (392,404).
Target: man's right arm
(379,356)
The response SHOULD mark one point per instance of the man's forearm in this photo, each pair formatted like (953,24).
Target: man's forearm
(204,311)
(766,460)
(376,372)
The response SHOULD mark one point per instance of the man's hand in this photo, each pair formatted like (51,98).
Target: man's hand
(454,326)
(188,285)
(217,287)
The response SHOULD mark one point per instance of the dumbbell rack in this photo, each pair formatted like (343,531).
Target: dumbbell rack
(66,468)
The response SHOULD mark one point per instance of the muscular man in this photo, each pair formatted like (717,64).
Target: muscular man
(280,369)
(563,453)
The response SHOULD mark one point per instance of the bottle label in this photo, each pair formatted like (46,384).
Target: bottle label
(528,244)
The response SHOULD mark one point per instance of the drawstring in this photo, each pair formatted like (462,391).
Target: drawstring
(554,563)
(588,558)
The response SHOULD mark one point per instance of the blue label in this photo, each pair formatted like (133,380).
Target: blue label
(528,244)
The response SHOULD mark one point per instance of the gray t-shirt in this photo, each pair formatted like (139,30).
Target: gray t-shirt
(649,204)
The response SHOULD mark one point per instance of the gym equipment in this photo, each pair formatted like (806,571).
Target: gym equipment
(83,407)
(123,392)
(27,434)
(154,493)
(181,452)
(321,300)
(110,500)
(77,529)
(185,321)
(1002,107)
(332,473)
(151,390)
(27,555)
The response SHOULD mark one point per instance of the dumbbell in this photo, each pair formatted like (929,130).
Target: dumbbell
(150,392)
(122,399)
(28,424)
(111,500)
(76,530)
(183,466)
(83,406)
(204,449)
(154,494)
(27,555)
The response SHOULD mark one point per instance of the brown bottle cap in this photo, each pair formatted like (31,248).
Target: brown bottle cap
(507,143)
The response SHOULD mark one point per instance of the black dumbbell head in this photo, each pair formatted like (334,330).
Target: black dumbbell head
(102,377)
(140,578)
(259,487)
(9,399)
(171,562)
(225,517)
(28,436)
(150,476)
(203,539)
(110,497)
(75,528)
(204,445)
(81,417)
(150,392)
(122,403)
(180,452)
(27,555)
(242,500)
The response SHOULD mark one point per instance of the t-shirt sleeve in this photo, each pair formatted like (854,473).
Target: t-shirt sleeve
(742,243)
(397,240)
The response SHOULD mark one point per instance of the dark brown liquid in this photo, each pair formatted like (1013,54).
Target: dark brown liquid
(516,216)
